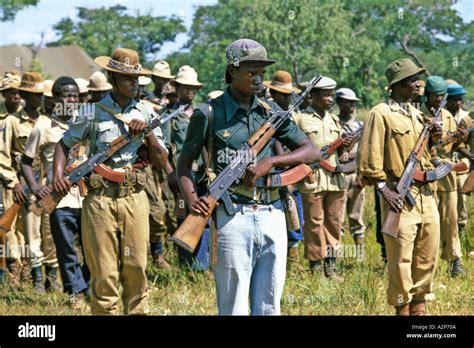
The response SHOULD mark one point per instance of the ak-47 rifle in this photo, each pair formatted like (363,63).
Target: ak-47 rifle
(451,138)
(50,202)
(297,173)
(190,231)
(392,219)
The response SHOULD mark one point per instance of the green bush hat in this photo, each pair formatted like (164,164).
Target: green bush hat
(246,50)
(436,84)
(401,69)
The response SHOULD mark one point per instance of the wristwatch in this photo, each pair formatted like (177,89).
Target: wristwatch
(380,185)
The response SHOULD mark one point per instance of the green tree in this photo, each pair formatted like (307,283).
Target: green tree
(9,8)
(352,41)
(100,31)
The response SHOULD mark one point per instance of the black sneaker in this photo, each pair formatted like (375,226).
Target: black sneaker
(456,269)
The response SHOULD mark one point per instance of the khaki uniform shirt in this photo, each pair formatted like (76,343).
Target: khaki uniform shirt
(448,183)
(15,135)
(389,136)
(107,128)
(321,130)
(41,143)
(463,119)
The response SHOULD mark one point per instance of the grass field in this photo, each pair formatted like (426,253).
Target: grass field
(362,292)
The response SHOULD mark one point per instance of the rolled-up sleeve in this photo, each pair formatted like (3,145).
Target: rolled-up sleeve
(78,131)
(370,157)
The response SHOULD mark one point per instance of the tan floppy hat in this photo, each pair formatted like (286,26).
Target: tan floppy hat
(32,82)
(11,79)
(162,69)
(282,82)
(98,83)
(187,76)
(82,84)
(123,61)
(48,88)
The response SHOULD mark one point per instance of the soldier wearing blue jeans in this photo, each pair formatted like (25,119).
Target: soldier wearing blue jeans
(251,229)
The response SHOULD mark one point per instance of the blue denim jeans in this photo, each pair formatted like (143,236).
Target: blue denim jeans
(294,236)
(65,224)
(251,259)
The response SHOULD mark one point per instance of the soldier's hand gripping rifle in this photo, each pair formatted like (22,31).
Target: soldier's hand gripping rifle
(392,219)
(297,173)
(50,202)
(190,231)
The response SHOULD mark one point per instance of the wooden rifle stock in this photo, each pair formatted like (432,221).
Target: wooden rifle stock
(392,221)
(6,222)
(190,231)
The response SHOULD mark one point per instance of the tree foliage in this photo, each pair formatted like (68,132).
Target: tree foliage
(100,31)
(9,8)
(351,41)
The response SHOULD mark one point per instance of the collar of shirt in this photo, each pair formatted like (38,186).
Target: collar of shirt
(231,106)
(111,103)
(61,122)
(310,109)
(409,111)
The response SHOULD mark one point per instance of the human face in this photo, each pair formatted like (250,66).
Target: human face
(32,100)
(322,99)
(282,99)
(454,103)
(126,85)
(248,79)
(12,96)
(434,100)
(409,88)
(186,93)
(346,107)
(66,102)
(159,82)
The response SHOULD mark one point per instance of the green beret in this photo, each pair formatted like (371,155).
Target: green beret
(436,85)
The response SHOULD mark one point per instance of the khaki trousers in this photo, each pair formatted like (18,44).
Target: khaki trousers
(354,204)
(38,237)
(412,256)
(449,231)
(157,206)
(462,200)
(323,214)
(14,238)
(115,233)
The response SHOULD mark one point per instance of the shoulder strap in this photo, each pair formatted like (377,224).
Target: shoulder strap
(208,111)
(118,115)
(265,105)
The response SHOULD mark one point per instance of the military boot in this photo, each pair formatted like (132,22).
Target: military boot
(403,310)
(37,275)
(418,308)
(25,274)
(3,277)
(14,273)
(330,269)
(456,269)
(51,284)
(316,267)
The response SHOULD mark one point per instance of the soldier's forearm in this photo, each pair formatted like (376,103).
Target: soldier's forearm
(305,153)
(156,154)
(59,160)
(466,152)
(28,172)
(186,181)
